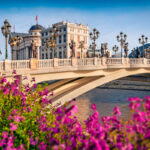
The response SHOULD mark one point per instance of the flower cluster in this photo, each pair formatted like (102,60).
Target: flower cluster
(28,121)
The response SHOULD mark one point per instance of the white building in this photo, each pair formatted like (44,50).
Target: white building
(68,32)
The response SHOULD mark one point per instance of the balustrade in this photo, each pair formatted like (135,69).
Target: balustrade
(114,61)
(136,61)
(74,62)
(45,63)
(20,64)
(64,62)
(85,62)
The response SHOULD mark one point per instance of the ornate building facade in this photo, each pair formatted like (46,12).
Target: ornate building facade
(68,32)
(30,42)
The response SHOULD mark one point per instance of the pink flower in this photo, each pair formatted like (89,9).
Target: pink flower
(93,106)
(13,127)
(33,142)
(4,135)
(116,111)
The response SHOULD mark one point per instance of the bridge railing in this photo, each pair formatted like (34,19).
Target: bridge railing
(45,63)
(135,61)
(34,64)
(114,61)
(64,62)
(85,62)
(20,64)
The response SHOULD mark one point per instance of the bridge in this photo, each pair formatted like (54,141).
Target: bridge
(74,76)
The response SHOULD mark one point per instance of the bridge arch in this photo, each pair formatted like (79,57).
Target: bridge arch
(93,82)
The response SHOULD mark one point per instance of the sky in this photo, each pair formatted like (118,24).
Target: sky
(110,17)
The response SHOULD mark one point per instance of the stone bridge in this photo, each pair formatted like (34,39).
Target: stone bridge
(75,76)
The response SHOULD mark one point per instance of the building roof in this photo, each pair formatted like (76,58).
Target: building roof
(36,27)
(20,34)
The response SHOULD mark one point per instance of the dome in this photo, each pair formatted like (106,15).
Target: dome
(36,27)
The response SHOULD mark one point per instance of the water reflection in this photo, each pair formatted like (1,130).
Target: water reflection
(106,100)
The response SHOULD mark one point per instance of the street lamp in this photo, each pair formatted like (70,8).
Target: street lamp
(122,39)
(126,49)
(49,43)
(143,41)
(72,47)
(94,36)
(81,45)
(12,43)
(18,39)
(54,33)
(6,30)
(93,47)
(115,49)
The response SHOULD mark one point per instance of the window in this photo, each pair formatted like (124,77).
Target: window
(42,56)
(59,47)
(50,55)
(64,38)
(64,29)
(42,34)
(46,56)
(46,33)
(60,55)
(59,38)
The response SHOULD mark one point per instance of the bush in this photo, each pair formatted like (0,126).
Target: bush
(28,121)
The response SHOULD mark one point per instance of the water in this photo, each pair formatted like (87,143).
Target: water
(106,100)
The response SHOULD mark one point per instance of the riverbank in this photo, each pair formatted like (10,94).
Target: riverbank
(138,83)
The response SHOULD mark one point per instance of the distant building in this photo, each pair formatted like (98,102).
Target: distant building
(138,52)
(68,32)
(24,49)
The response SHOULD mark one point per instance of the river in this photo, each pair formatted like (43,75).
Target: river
(106,100)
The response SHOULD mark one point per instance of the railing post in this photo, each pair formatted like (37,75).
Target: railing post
(95,61)
(74,61)
(144,61)
(104,60)
(33,63)
(7,65)
(55,62)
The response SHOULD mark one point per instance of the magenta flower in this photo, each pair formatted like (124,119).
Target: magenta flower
(93,106)
(116,111)
(13,127)
(33,142)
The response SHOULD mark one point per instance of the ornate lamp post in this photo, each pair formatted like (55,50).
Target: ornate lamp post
(94,36)
(54,33)
(18,41)
(93,47)
(143,41)
(126,49)
(6,30)
(50,43)
(12,43)
(81,46)
(122,39)
(115,49)
(72,46)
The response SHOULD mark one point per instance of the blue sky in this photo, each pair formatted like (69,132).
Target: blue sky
(108,16)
